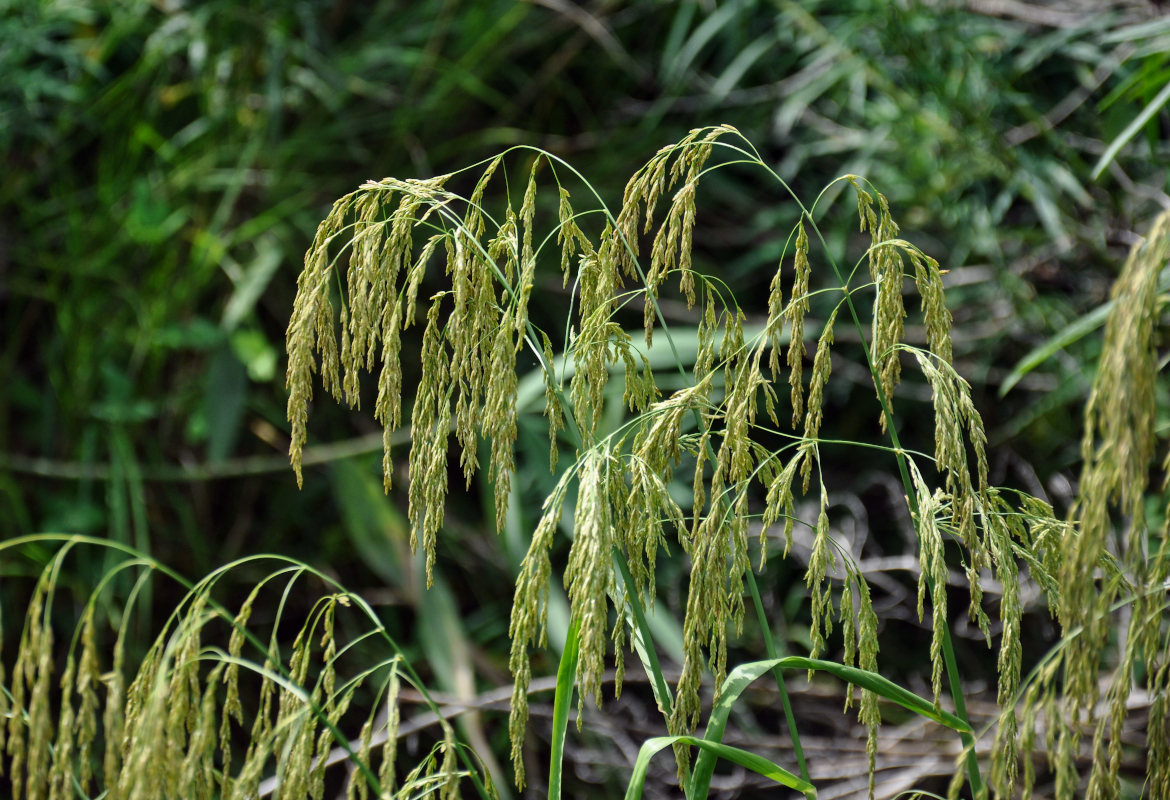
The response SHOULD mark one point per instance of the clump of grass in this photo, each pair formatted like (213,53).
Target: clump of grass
(175,725)
(720,433)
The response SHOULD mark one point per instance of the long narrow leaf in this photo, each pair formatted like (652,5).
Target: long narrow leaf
(562,702)
(882,687)
(1080,328)
(742,676)
(755,763)
(1131,130)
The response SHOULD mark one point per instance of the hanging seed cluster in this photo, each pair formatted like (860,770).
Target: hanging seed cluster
(475,328)
(1112,557)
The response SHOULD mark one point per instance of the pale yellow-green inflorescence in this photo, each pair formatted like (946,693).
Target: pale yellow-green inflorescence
(474,329)
(1118,452)
(468,386)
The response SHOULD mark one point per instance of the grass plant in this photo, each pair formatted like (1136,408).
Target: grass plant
(710,451)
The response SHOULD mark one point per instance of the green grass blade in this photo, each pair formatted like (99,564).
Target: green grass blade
(742,676)
(1079,328)
(562,702)
(882,687)
(755,763)
(1131,130)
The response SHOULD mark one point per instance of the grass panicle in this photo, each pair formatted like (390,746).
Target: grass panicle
(468,359)
(1118,456)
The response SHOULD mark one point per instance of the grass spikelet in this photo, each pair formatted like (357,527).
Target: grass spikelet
(1158,732)
(732,346)
(325,700)
(428,452)
(449,770)
(197,778)
(793,314)
(739,412)
(357,324)
(1004,769)
(388,408)
(859,634)
(821,560)
(88,679)
(113,719)
(672,242)
(145,738)
(357,788)
(671,247)
(936,315)
(708,326)
(932,575)
(643,508)
(183,686)
(780,503)
(553,410)
(386,773)
(886,271)
(461,332)
(529,618)
(658,443)
(311,316)
(588,578)
(954,413)
(417,272)
(60,779)
(847,617)
(232,708)
(569,235)
(294,726)
(30,741)
(595,345)
(261,737)
(822,367)
(527,273)
(499,419)
(247,782)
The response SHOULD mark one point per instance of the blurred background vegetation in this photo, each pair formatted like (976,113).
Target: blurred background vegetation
(164,165)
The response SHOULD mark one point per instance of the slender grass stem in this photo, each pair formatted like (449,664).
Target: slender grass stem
(775,653)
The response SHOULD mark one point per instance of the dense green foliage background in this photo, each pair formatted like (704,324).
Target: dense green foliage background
(165,165)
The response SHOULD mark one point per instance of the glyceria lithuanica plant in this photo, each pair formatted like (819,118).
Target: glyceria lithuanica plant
(170,733)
